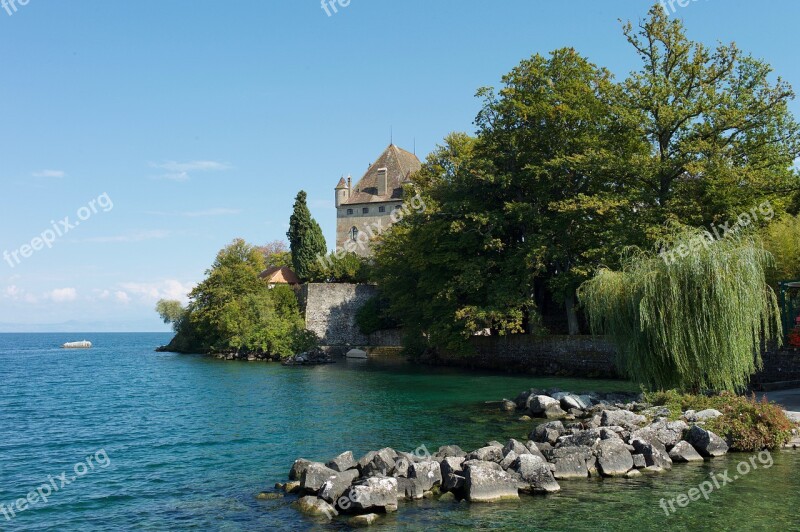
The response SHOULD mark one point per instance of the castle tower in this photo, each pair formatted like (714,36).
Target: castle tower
(342,192)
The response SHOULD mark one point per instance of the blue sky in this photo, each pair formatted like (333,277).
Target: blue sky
(200,120)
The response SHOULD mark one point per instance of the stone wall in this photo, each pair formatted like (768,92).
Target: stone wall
(578,356)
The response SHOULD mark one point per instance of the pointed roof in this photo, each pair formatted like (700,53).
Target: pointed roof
(342,184)
(280,275)
(399,163)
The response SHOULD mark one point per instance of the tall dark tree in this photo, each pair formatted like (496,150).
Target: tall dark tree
(306,240)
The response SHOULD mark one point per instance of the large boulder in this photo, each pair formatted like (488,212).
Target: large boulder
(706,442)
(315,506)
(298,468)
(548,432)
(684,452)
(570,462)
(484,483)
(654,452)
(667,432)
(410,488)
(516,446)
(374,493)
(624,418)
(569,401)
(337,485)
(538,404)
(535,473)
(490,453)
(428,473)
(343,462)
(449,450)
(314,476)
(704,415)
(533,448)
(613,458)
(452,473)
(382,464)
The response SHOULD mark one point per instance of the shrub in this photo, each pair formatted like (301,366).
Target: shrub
(372,316)
(746,423)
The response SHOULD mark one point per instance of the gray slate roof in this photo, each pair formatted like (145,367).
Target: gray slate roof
(400,165)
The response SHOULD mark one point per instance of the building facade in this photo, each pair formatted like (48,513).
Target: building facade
(365,209)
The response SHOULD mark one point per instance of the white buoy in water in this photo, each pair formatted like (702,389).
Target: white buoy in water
(85,344)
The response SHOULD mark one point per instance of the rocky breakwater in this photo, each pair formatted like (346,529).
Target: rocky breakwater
(594,436)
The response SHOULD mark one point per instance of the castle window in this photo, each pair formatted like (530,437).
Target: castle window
(381,209)
(365,210)
(354,233)
(349,211)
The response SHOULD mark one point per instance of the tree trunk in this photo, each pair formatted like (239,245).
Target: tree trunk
(572,315)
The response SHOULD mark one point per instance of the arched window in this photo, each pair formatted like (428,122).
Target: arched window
(354,233)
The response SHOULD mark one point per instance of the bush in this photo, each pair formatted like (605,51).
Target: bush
(372,316)
(746,423)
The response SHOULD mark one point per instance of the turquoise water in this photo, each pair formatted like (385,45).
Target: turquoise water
(191,440)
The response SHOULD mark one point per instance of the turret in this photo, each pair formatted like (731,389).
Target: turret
(342,192)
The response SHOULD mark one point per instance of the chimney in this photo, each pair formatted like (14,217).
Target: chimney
(382,181)
(349,178)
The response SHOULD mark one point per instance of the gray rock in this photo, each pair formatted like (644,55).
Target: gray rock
(554,412)
(374,492)
(401,467)
(314,476)
(538,404)
(299,466)
(363,520)
(703,415)
(382,464)
(487,454)
(684,452)
(535,473)
(410,488)
(533,448)
(667,432)
(508,406)
(337,485)
(583,438)
(366,459)
(493,465)
(654,452)
(429,473)
(613,458)
(311,505)
(343,462)
(516,446)
(508,459)
(452,473)
(547,432)
(621,418)
(570,462)
(483,483)
(569,401)
(449,450)
(706,442)
(638,461)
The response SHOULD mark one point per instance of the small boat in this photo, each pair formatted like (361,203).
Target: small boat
(85,344)
(357,353)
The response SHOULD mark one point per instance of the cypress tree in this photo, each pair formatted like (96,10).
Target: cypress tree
(306,240)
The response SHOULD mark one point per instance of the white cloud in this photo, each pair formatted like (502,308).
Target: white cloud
(50,173)
(131,237)
(152,292)
(63,295)
(16,293)
(122,297)
(176,171)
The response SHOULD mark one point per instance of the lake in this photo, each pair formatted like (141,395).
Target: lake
(172,442)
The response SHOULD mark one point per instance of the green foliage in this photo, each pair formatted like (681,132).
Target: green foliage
(171,312)
(233,310)
(748,424)
(305,239)
(341,267)
(277,254)
(782,240)
(372,316)
(695,323)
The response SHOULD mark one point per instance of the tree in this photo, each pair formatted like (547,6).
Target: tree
(306,240)
(782,240)
(276,254)
(171,311)
(720,134)
(697,323)
(232,309)
(341,268)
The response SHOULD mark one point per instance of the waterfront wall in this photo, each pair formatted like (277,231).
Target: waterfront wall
(578,356)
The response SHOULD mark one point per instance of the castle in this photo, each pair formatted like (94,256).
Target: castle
(366,209)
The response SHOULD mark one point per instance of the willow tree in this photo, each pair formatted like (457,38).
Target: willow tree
(694,319)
